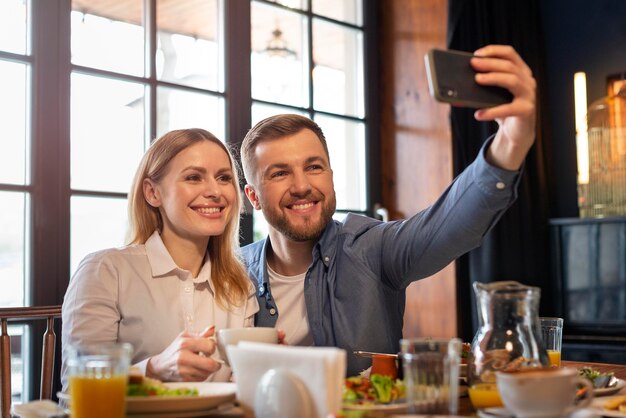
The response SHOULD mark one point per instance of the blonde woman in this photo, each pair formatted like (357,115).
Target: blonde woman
(179,279)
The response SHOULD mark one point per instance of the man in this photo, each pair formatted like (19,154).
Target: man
(343,284)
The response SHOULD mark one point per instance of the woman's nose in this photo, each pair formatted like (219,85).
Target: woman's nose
(212,190)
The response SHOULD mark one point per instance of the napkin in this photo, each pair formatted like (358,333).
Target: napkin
(38,409)
(321,369)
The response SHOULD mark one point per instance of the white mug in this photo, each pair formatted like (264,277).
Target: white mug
(543,392)
(232,336)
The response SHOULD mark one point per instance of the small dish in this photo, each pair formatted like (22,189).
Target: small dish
(598,407)
(496,412)
(610,390)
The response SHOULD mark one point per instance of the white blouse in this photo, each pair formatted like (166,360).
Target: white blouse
(137,294)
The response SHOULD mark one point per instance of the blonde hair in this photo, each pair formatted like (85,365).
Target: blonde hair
(228,274)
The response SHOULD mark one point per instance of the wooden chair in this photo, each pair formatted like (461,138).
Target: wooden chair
(47,357)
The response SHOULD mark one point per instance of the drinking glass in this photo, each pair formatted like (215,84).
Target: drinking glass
(98,379)
(431,374)
(552,333)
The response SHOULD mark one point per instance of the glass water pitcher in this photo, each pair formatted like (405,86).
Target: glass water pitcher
(508,337)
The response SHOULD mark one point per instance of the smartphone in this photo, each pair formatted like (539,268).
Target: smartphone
(451,80)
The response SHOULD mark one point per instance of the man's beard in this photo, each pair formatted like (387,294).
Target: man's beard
(310,230)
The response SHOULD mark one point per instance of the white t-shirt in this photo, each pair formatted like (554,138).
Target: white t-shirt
(288,292)
(137,294)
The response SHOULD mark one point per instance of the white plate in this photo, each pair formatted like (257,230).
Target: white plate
(210,396)
(387,408)
(610,391)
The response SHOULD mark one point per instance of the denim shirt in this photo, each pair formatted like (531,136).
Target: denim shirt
(355,286)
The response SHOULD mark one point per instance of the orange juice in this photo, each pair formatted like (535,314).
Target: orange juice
(92,397)
(554,357)
(484,395)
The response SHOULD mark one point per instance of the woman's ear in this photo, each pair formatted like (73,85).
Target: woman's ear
(151,193)
(252,196)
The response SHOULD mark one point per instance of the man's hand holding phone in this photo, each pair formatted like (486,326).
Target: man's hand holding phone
(512,104)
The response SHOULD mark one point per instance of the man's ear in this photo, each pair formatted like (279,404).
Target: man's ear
(151,193)
(252,196)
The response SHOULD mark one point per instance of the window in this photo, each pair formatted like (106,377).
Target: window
(86,86)
(308,58)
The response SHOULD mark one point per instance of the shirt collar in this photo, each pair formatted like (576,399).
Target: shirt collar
(162,263)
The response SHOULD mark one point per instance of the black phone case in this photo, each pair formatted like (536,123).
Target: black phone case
(451,80)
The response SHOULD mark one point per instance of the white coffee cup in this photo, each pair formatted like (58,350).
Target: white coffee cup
(542,393)
(232,336)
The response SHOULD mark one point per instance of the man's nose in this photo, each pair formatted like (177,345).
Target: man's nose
(301,184)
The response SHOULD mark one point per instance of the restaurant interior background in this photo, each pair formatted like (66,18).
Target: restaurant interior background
(399,142)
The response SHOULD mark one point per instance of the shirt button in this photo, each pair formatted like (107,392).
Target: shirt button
(326,259)
(272,311)
(500,185)
(188,289)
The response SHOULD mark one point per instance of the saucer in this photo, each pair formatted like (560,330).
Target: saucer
(495,412)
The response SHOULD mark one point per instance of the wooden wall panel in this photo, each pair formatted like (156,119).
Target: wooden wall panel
(416,147)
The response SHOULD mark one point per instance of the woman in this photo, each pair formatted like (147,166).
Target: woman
(179,279)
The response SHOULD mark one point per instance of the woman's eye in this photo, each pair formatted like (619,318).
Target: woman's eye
(192,177)
(225,178)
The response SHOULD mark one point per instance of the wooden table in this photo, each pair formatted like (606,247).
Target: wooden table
(466,408)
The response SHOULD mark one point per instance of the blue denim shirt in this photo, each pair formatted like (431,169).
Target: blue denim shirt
(355,287)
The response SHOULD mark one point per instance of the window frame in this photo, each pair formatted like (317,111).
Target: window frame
(48,262)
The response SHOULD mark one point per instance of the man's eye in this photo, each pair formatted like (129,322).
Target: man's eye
(315,167)
(276,174)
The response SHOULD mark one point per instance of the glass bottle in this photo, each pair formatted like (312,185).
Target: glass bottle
(604,193)
(508,337)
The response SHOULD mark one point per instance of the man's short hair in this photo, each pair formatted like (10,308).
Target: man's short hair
(274,127)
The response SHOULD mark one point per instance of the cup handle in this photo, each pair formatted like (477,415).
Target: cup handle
(588,394)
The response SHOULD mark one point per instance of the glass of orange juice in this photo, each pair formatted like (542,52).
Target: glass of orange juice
(552,334)
(484,395)
(98,376)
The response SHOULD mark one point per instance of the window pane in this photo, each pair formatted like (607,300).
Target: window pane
(107,136)
(19,363)
(350,11)
(12,244)
(13,110)
(13,15)
(260,226)
(96,223)
(346,146)
(294,4)
(178,109)
(108,35)
(338,72)
(279,60)
(189,46)
(261,111)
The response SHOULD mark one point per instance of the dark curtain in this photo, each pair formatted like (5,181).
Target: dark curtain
(518,247)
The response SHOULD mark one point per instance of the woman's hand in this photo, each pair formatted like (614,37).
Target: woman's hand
(281,337)
(186,359)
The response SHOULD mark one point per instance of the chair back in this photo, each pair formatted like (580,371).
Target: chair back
(21,315)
